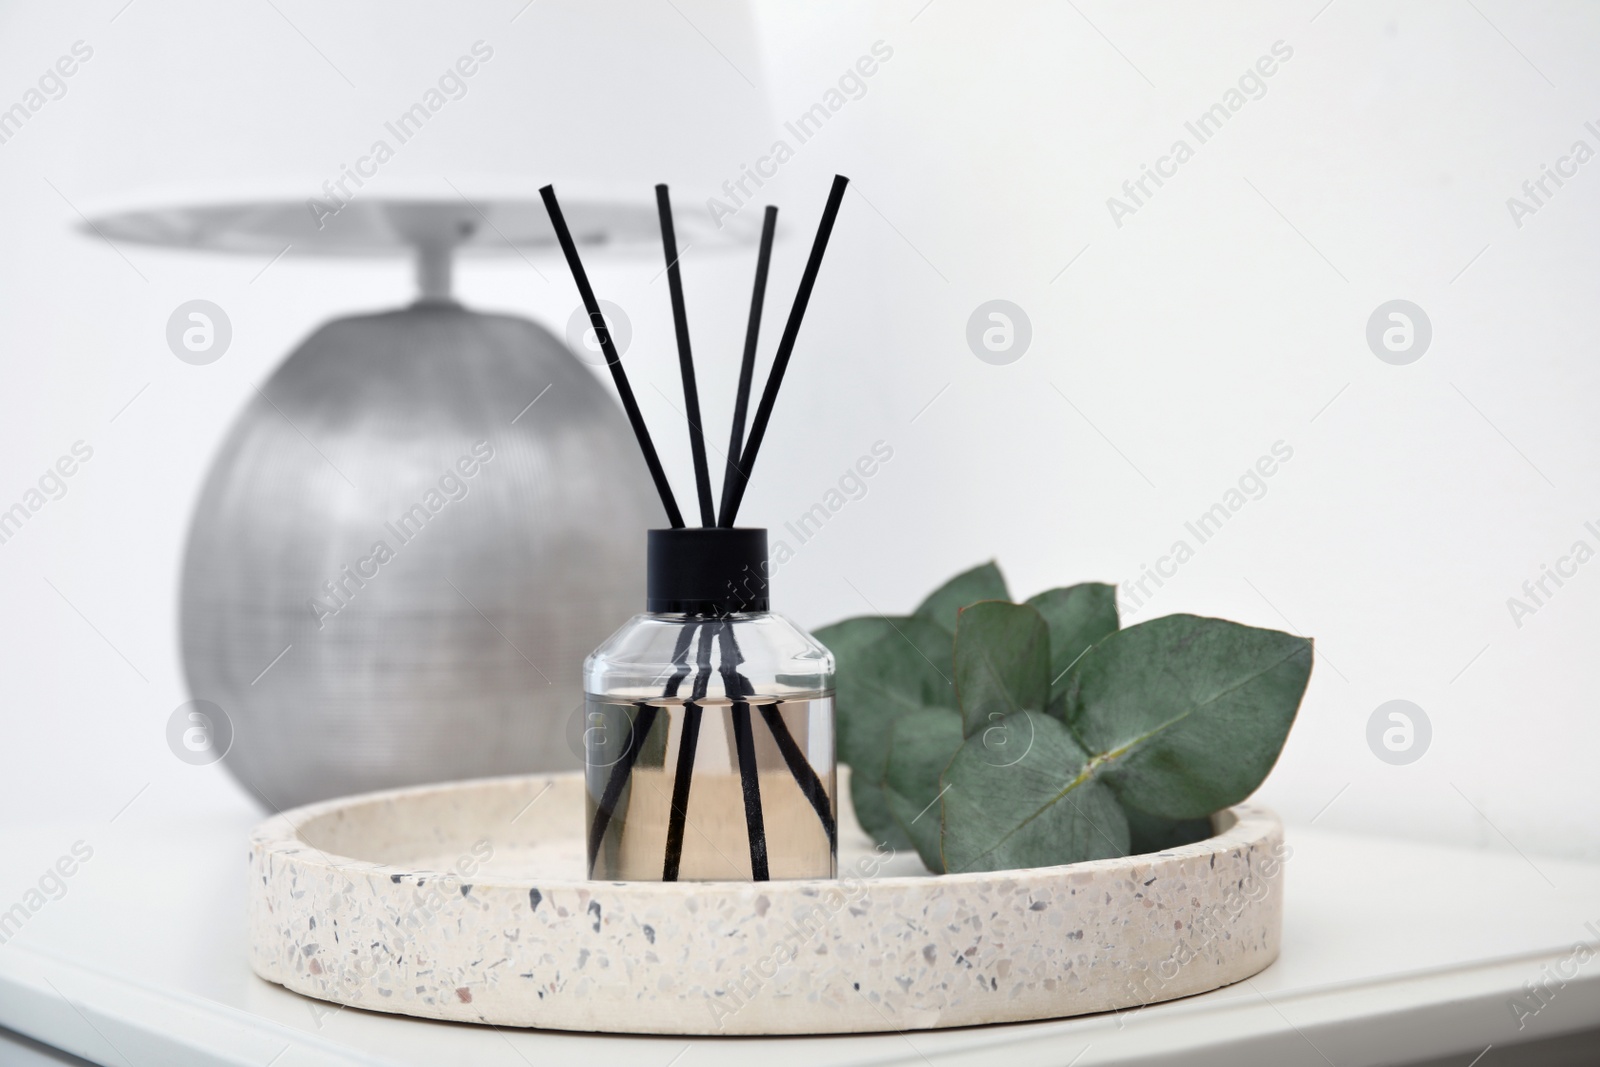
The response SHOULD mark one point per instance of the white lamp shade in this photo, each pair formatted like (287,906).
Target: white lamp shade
(421,102)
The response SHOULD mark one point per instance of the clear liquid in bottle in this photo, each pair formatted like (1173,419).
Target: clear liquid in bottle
(680,789)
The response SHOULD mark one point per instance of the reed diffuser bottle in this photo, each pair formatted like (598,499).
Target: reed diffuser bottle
(709,729)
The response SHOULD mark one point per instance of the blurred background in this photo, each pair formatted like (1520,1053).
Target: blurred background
(1167,318)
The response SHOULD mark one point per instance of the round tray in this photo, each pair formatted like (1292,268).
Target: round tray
(466,901)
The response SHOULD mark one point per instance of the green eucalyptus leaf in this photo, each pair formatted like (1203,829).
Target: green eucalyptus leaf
(1151,833)
(920,746)
(870,799)
(906,667)
(980,583)
(847,638)
(1187,715)
(1031,801)
(1002,662)
(884,666)
(1078,616)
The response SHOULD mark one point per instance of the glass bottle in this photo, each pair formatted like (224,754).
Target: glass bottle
(709,730)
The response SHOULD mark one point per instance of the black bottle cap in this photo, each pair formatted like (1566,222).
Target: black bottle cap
(701,570)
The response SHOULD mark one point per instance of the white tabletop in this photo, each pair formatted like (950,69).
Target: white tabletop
(1392,951)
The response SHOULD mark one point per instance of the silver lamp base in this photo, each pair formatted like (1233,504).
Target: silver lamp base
(397,565)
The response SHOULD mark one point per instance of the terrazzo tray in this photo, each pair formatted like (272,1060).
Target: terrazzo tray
(466,902)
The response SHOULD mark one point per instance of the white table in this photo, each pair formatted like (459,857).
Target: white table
(1393,952)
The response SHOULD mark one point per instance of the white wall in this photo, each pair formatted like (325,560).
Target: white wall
(1226,314)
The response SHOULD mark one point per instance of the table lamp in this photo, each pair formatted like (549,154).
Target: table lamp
(420,524)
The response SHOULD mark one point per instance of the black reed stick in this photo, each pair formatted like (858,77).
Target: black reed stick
(691,392)
(620,773)
(747,366)
(682,778)
(623,768)
(744,742)
(613,360)
(805,775)
(791,331)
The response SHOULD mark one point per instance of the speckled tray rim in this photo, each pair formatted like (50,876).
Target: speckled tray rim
(280,833)
(278,839)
